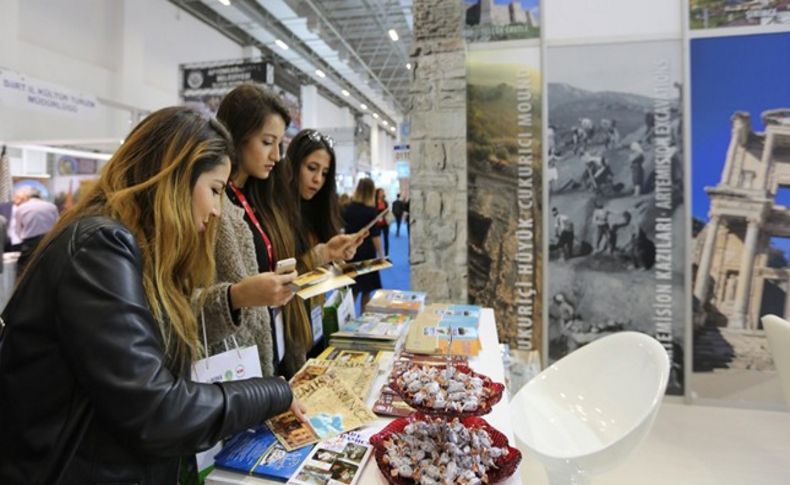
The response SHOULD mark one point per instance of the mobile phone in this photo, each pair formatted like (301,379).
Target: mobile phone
(374,221)
(285,266)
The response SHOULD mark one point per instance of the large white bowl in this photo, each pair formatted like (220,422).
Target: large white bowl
(587,412)
(778,333)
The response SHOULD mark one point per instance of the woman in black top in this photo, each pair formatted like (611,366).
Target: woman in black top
(357,215)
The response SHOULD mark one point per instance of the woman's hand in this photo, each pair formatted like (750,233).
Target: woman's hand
(264,289)
(344,246)
(299,410)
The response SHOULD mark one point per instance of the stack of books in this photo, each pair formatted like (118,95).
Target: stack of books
(371,331)
(396,301)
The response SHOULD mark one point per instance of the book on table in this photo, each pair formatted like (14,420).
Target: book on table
(335,461)
(258,452)
(396,301)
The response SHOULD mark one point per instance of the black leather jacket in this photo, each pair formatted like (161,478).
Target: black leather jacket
(82,373)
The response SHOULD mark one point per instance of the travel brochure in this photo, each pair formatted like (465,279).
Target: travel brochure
(445,329)
(358,376)
(333,353)
(334,461)
(332,409)
(396,301)
(334,275)
(258,452)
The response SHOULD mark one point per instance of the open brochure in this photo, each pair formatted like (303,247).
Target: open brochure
(332,409)
(358,376)
(334,275)
(334,461)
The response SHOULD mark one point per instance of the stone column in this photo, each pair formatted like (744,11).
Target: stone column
(703,271)
(739,319)
(438,193)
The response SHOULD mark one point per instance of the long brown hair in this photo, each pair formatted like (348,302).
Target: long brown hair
(147,186)
(244,111)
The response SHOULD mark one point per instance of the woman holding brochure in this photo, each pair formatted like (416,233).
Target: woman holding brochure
(99,335)
(358,215)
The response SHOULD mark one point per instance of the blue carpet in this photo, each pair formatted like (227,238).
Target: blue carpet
(399,276)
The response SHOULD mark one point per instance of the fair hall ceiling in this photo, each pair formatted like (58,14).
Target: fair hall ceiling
(346,39)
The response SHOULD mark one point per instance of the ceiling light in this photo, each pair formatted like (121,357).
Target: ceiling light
(282,45)
(224,2)
(363,106)
(320,73)
(393,35)
(384,122)
(408,65)
(376,115)
(345,93)
(392,128)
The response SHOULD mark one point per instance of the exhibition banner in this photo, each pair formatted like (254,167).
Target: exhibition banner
(504,149)
(711,14)
(617,223)
(740,217)
(23,92)
(225,75)
(494,20)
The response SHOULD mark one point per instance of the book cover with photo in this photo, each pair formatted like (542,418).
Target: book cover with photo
(617,227)
(740,199)
(259,453)
(334,461)
(396,301)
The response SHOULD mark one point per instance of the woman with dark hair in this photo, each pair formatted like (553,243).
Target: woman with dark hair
(94,382)
(256,232)
(357,215)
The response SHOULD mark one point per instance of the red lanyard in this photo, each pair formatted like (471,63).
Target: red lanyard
(251,215)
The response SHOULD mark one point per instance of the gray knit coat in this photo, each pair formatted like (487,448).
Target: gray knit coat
(235,258)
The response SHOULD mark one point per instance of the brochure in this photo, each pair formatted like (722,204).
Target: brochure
(333,353)
(358,376)
(332,276)
(334,461)
(397,301)
(258,452)
(332,409)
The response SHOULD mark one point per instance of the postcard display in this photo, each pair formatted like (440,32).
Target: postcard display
(622,222)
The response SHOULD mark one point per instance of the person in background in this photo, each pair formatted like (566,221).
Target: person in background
(601,221)
(637,167)
(34,217)
(384,227)
(100,333)
(407,214)
(397,211)
(357,215)
(308,175)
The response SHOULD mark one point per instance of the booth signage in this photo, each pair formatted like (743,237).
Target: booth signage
(27,93)
(224,76)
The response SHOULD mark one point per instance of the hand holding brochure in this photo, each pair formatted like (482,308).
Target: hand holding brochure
(334,275)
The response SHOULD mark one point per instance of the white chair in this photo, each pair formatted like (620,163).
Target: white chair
(587,412)
(778,332)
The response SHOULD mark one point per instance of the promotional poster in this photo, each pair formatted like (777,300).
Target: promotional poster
(741,174)
(505,197)
(495,20)
(617,226)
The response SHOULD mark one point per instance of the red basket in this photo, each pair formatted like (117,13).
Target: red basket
(495,391)
(505,466)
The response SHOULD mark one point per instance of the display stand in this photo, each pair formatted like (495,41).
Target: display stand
(488,362)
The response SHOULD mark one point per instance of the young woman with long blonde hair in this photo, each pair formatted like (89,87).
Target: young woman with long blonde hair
(100,332)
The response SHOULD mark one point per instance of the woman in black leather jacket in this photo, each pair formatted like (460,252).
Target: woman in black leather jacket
(100,334)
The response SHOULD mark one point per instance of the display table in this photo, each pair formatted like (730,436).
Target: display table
(488,362)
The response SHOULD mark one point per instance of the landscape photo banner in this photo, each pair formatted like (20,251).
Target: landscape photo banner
(498,20)
(504,149)
(617,223)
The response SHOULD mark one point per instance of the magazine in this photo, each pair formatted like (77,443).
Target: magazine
(332,409)
(334,461)
(428,336)
(333,353)
(358,376)
(396,301)
(375,326)
(258,452)
(332,276)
